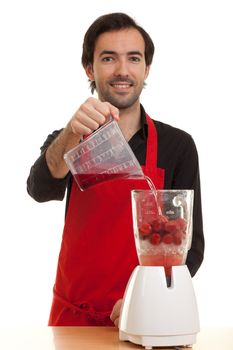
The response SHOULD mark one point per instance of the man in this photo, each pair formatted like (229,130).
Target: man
(98,253)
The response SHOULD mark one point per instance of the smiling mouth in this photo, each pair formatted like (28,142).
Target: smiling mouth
(122,85)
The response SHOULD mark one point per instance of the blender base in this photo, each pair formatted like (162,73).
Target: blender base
(150,341)
(155,314)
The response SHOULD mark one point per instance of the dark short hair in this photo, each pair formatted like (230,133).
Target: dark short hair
(108,23)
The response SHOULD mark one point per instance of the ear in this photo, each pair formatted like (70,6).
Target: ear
(89,72)
(147,70)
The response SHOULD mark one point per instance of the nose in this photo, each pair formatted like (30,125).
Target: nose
(121,68)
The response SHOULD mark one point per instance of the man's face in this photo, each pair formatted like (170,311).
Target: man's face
(119,69)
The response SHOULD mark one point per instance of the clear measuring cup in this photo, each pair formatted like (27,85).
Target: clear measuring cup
(104,155)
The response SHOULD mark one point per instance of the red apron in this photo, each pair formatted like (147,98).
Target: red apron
(98,251)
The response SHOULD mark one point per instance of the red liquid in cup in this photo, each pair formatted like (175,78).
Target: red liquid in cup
(88,180)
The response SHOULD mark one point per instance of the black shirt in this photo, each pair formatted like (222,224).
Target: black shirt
(177,155)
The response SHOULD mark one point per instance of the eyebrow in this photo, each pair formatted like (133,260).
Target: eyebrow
(110,52)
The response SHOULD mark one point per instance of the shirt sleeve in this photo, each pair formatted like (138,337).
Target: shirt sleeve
(186,176)
(41,185)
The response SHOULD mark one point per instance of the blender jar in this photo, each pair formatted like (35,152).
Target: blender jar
(162,222)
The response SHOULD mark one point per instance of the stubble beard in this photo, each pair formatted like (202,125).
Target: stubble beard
(120,100)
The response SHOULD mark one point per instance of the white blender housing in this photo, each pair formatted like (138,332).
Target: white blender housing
(159,306)
(154,314)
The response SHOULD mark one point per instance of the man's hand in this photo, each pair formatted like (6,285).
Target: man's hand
(115,315)
(90,115)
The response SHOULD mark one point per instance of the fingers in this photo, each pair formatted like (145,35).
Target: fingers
(115,315)
(114,112)
(116,322)
(92,114)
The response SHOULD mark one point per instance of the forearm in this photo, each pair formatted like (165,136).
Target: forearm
(196,253)
(195,256)
(42,186)
(187,176)
(54,155)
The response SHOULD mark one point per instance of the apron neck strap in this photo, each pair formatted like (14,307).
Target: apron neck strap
(151,149)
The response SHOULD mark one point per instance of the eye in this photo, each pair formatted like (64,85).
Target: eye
(135,59)
(107,59)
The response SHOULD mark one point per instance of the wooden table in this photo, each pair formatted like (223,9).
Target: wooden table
(97,338)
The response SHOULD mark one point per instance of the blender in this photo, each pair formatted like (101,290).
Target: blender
(159,307)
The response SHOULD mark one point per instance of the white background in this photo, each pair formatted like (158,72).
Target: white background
(42,83)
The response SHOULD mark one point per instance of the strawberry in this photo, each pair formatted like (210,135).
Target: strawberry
(167,238)
(181,223)
(155,238)
(171,226)
(177,237)
(158,223)
(145,229)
